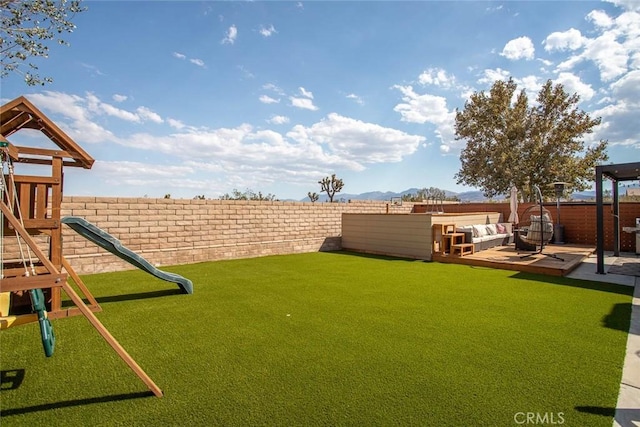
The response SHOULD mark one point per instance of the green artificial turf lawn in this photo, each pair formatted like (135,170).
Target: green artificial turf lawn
(328,339)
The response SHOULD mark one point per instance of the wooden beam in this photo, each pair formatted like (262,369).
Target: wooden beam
(71,312)
(19,271)
(24,283)
(45,152)
(32,179)
(78,281)
(14,123)
(111,340)
(42,224)
(13,221)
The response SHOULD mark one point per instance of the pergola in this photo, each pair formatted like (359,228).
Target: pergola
(616,173)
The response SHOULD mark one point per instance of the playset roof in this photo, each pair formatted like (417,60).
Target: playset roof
(22,114)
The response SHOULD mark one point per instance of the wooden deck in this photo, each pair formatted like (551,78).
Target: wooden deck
(508,258)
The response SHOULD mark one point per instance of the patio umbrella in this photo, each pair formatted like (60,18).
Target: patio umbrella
(513,203)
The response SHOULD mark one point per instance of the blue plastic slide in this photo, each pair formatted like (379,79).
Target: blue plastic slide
(113,245)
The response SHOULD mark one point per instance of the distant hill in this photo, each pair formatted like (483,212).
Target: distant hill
(466,196)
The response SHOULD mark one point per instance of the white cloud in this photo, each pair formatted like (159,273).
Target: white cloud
(626,4)
(78,115)
(230,36)
(265,99)
(427,108)
(620,125)
(566,40)
(267,31)
(573,84)
(146,114)
(600,18)
(176,124)
(520,48)
(437,77)
(421,108)
(274,88)
(489,76)
(278,120)
(195,61)
(358,142)
(93,69)
(304,103)
(136,169)
(75,116)
(628,87)
(245,72)
(606,52)
(356,98)
(119,98)
(240,157)
(306,93)
(99,107)
(614,48)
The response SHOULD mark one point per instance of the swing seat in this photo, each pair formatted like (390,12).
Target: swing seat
(46,330)
(7,322)
(540,230)
(40,315)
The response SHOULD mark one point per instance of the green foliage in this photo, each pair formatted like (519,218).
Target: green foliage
(510,142)
(331,186)
(431,193)
(248,194)
(26,29)
(313,196)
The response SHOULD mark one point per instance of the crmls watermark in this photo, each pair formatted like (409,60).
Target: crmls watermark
(539,418)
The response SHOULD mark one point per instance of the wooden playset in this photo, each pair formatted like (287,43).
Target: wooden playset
(31,231)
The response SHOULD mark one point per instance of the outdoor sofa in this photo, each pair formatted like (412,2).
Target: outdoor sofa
(485,236)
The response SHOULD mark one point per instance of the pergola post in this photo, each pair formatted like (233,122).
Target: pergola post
(599,223)
(616,218)
(616,173)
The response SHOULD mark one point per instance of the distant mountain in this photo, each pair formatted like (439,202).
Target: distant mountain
(466,196)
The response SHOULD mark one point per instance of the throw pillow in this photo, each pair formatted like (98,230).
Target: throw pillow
(479,231)
(492,229)
(501,229)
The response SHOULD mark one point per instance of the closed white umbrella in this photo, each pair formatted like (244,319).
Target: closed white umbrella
(513,203)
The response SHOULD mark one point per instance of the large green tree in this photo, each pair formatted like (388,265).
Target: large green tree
(27,27)
(510,142)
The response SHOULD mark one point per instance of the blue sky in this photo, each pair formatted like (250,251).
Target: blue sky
(192,98)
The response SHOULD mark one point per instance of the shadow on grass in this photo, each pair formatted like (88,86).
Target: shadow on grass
(597,410)
(74,402)
(11,379)
(140,295)
(619,318)
(625,417)
(374,256)
(130,297)
(576,283)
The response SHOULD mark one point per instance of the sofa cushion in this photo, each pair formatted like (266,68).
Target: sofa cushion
(479,230)
(491,229)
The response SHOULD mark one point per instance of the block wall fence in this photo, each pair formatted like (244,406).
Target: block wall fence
(579,219)
(183,231)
